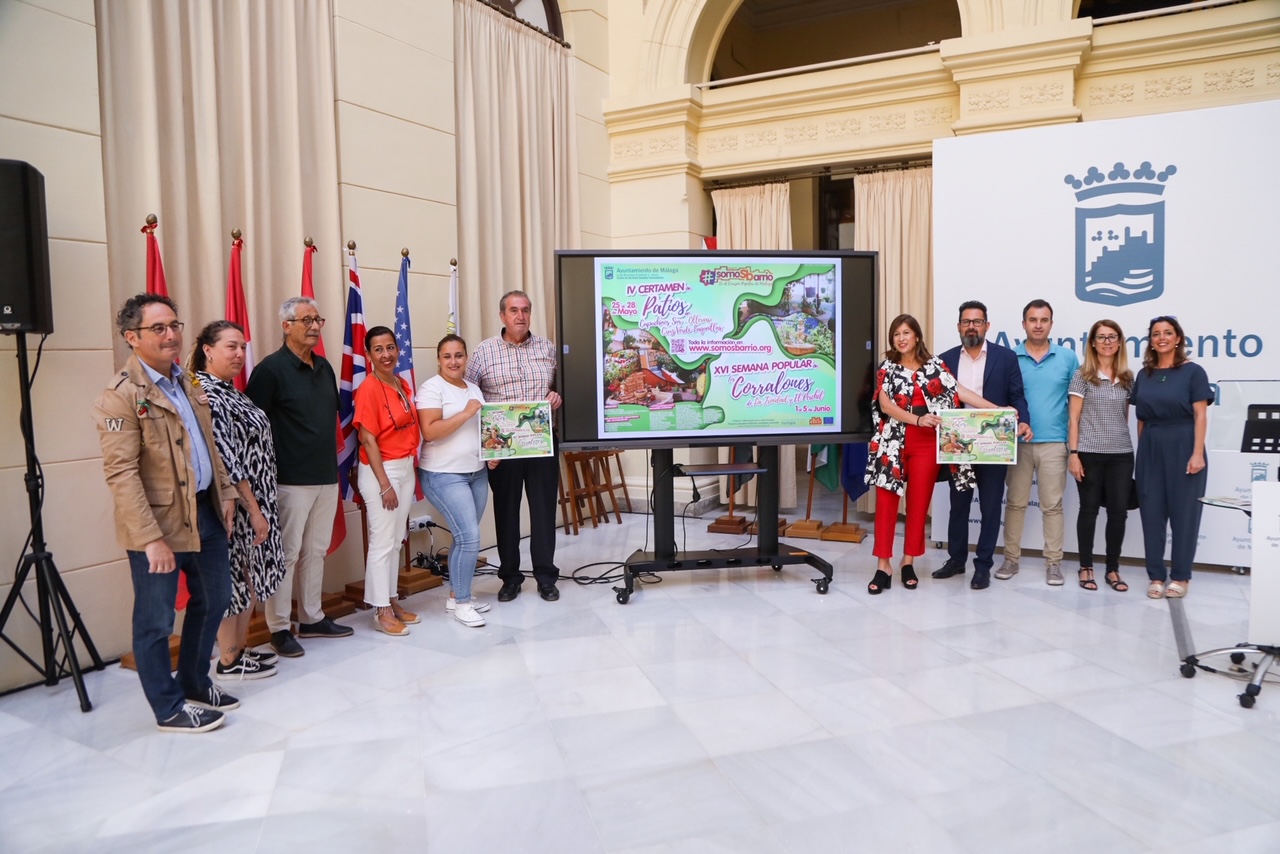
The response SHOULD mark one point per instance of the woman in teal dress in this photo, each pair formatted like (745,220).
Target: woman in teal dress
(1171,397)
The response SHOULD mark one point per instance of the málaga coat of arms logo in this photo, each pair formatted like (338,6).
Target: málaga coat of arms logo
(1120,233)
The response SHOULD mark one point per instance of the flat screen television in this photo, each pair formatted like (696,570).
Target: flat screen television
(696,348)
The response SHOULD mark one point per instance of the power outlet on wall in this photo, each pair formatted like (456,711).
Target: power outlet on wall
(421,523)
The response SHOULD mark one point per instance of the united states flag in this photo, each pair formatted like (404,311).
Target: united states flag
(404,342)
(404,335)
(353,371)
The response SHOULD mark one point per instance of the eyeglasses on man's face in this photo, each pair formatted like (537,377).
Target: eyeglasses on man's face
(979,322)
(159,329)
(308,321)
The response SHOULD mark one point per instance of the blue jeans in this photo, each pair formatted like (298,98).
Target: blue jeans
(460,499)
(209,580)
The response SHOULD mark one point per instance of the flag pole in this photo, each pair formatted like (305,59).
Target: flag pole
(451,324)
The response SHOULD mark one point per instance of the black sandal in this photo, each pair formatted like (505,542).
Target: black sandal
(1118,584)
(909,578)
(1087,583)
(880,582)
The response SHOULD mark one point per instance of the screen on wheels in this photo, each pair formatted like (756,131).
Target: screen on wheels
(712,348)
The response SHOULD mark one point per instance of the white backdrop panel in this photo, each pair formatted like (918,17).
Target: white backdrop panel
(1127,219)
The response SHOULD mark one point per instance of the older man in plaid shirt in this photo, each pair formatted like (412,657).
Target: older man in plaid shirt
(516,366)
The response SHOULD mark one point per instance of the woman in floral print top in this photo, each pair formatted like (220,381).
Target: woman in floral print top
(911,387)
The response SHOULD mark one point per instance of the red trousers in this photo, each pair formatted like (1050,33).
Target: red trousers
(920,470)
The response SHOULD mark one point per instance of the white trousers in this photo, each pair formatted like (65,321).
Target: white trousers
(306,527)
(386,528)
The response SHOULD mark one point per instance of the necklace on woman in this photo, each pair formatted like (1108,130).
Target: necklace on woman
(404,402)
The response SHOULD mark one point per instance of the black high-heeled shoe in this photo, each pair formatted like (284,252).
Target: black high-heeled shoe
(880,582)
(909,578)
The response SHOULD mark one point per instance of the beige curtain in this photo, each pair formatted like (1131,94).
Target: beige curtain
(218,116)
(517,166)
(757,218)
(893,215)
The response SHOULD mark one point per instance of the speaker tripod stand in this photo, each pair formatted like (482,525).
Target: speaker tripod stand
(56,613)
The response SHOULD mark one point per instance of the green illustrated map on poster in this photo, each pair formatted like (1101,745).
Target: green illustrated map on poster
(509,430)
(744,348)
(978,436)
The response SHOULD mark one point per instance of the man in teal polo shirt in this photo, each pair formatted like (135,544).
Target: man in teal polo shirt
(1046,373)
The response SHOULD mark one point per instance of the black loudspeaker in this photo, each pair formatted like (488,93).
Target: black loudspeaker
(26,304)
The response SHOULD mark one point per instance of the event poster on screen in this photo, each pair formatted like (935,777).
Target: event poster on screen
(688,345)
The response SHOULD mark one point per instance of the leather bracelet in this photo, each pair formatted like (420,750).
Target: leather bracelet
(918,417)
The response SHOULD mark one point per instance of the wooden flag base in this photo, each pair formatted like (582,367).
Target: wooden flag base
(410,581)
(258,631)
(845,532)
(782,527)
(481,561)
(128,662)
(807,529)
(354,594)
(729,524)
(333,604)
(415,580)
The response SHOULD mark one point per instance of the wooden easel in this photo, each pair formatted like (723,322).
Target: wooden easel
(730,523)
(808,528)
(845,531)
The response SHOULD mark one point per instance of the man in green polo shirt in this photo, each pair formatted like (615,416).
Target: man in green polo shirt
(298,390)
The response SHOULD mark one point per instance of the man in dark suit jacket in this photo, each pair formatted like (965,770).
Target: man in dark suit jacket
(992,372)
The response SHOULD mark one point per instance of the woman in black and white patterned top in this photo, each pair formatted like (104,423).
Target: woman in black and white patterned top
(1100,447)
(243,436)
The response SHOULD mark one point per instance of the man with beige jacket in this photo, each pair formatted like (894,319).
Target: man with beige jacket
(174,505)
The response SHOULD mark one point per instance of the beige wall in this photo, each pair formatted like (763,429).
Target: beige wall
(586,28)
(396,174)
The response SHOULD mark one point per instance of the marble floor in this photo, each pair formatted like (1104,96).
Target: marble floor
(733,711)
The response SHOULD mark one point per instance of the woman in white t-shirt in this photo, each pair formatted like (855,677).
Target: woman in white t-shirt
(452,475)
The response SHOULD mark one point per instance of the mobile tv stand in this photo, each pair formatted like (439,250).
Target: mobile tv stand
(768,551)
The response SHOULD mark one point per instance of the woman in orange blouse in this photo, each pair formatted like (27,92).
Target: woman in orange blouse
(389,437)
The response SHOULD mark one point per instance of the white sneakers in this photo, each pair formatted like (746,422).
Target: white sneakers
(481,607)
(468,614)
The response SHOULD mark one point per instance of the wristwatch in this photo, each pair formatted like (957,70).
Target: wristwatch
(1073,450)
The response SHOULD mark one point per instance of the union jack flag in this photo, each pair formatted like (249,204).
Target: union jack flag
(353,372)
